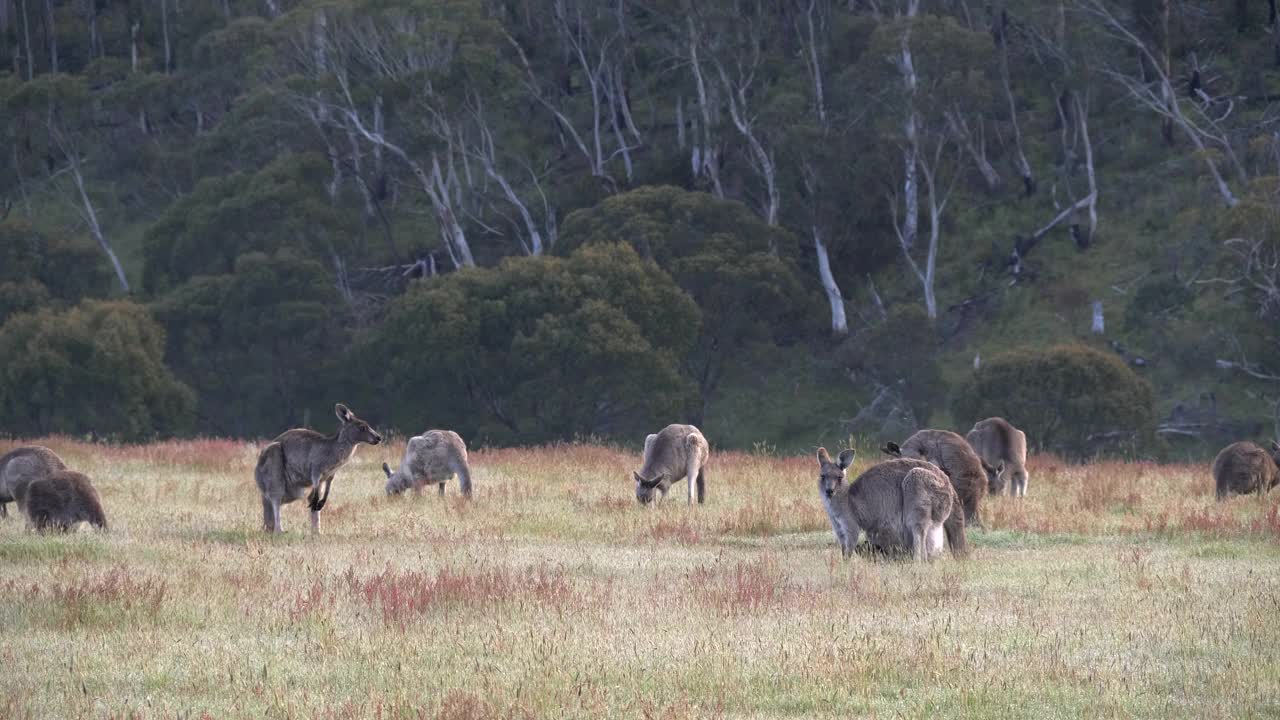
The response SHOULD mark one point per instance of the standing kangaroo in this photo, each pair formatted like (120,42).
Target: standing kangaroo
(1002,448)
(676,453)
(302,461)
(431,458)
(22,466)
(902,504)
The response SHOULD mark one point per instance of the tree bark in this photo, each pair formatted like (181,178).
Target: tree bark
(839,322)
(91,217)
(51,33)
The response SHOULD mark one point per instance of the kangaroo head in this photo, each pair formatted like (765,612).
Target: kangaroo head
(353,428)
(646,486)
(831,474)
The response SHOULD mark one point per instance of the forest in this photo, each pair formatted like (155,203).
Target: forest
(789,222)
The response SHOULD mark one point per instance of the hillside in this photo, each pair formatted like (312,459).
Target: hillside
(835,212)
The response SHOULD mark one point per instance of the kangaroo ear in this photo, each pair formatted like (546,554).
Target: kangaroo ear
(651,483)
(846,458)
(386,469)
(823,457)
(343,412)
(891,448)
(1275,446)
(639,478)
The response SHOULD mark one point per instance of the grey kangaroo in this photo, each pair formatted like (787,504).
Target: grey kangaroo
(22,466)
(902,504)
(1002,448)
(676,453)
(303,462)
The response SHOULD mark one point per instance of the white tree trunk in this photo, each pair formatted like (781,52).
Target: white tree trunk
(839,323)
(709,156)
(91,218)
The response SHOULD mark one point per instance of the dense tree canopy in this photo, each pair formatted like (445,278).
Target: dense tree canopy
(537,349)
(95,369)
(803,171)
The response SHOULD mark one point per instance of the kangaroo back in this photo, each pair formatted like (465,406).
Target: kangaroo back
(270,471)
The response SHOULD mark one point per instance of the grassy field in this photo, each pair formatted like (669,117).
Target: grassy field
(1113,590)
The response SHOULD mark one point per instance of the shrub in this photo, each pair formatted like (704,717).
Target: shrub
(96,368)
(538,348)
(1068,398)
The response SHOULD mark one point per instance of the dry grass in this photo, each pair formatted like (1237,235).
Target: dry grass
(1113,590)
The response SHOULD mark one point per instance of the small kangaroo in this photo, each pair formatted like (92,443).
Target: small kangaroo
(675,453)
(22,466)
(432,457)
(954,457)
(62,500)
(1243,467)
(1002,448)
(302,461)
(902,504)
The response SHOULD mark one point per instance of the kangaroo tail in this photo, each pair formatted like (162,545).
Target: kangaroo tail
(270,469)
(954,530)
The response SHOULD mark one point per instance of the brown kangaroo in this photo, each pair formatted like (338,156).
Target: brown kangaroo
(1243,467)
(302,461)
(952,454)
(63,500)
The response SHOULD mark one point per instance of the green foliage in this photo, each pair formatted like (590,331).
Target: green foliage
(1067,398)
(257,343)
(741,272)
(282,206)
(40,269)
(96,368)
(902,353)
(537,349)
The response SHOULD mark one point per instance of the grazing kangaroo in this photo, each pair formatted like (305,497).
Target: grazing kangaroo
(902,505)
(1244,467)
(676,453)
(302,461)
(62,500)
(1002,448)
(432,457)
(954,457)
(22,466)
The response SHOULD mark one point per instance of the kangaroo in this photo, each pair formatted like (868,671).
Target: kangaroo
(902,505)
(1002,448)
(1244,467)
(62,500)
(432,457)
(302,461)
(22,466)
(676,453)
(954,457)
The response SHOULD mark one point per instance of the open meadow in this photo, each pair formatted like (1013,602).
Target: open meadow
(1112,590)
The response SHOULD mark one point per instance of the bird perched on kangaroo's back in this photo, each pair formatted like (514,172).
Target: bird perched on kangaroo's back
(902,505)
(1243,467)
(675,453)
(302,461)
(22,466)
(954,457)
(63,500)
(1002,448)
(431,458)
